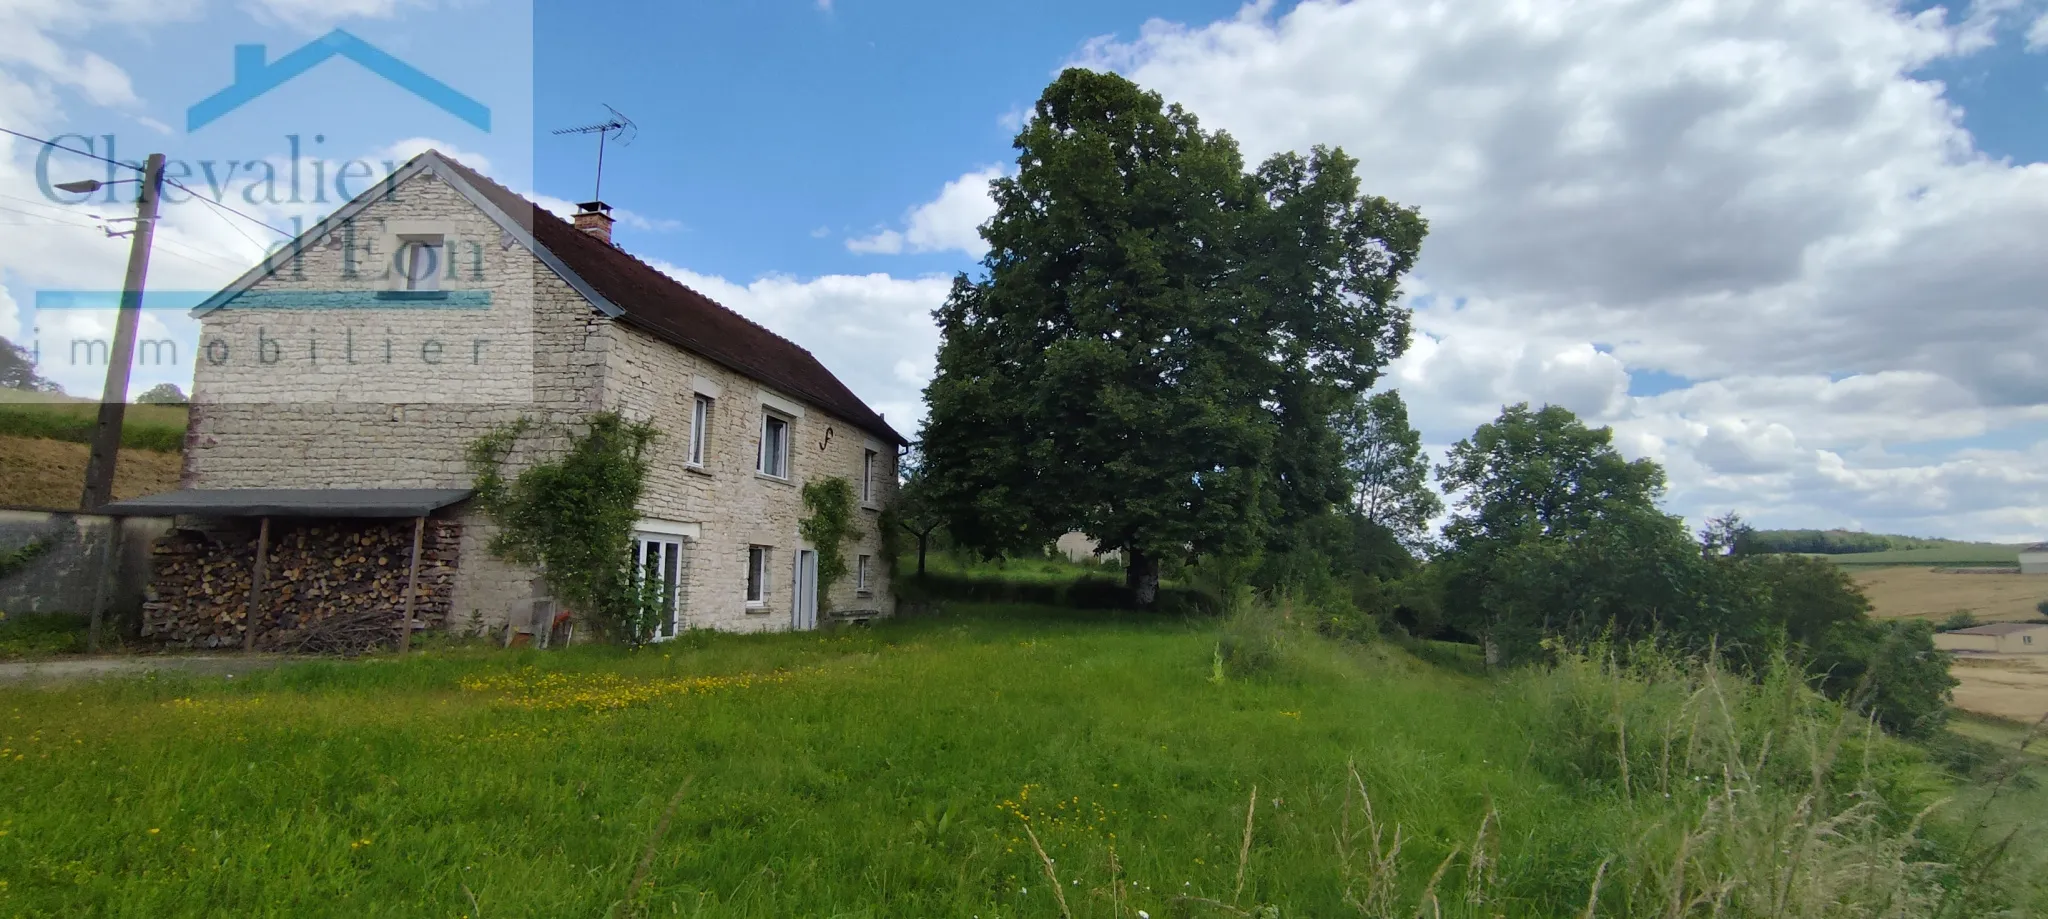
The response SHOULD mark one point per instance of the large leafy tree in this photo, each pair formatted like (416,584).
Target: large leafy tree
(18,369)
(1388,472)
(1161,339)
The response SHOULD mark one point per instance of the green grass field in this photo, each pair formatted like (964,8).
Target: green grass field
(55,416)
(1986,554)
(875,772)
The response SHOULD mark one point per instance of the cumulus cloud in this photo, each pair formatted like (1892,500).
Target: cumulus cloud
(951,221)
(1763,198)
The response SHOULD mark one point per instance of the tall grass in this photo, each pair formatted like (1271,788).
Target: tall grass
(959,764)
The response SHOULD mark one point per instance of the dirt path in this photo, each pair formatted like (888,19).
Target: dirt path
(64,669)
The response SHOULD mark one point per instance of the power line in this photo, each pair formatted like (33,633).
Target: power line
(215,204)
(171,182)
(195,256)
(52,143)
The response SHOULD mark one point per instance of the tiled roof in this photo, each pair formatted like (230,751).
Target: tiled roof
(668,309)
(2000,628)
(2037,547)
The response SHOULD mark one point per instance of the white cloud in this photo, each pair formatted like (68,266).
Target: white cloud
(317,15)
(951,221)
(873,331)
(2037,34)
(1762,197)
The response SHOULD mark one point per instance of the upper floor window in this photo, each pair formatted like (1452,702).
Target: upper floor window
(419,262)
(860,577)
(867,476)
(700,429)
(774,452)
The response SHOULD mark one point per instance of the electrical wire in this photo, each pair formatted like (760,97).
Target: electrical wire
(209,202)
(52,143)
(219,261)
(171,182)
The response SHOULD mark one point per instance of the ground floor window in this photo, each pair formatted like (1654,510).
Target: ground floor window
(757,575)
(860,577)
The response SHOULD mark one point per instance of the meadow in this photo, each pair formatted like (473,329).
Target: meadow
(950,765)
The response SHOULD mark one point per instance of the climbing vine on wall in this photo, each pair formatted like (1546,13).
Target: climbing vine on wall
(572,517)
(830,503)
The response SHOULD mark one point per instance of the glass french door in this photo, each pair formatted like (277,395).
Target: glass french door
(659,561)
(803,607)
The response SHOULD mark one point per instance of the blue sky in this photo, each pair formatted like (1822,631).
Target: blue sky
(1791,251)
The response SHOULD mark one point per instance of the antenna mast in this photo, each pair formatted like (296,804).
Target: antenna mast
(618,124)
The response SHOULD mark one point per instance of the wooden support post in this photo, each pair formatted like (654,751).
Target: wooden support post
(103,588)
(256,585)
(412,581)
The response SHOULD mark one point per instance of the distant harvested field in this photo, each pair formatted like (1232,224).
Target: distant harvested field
(35,472)
(1929,594)
(2010,686)
(1963,553)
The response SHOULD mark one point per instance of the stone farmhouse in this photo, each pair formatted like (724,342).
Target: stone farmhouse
(340,384)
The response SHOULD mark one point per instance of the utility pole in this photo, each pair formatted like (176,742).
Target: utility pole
(106,437)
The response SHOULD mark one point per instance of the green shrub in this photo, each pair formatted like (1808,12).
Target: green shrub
(1083,593)
(41,634)
(1960,619)
(572,516)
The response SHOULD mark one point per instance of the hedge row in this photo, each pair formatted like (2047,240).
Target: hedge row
(1082,593)
(77,428)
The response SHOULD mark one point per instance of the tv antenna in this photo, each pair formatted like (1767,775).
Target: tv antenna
(618,124)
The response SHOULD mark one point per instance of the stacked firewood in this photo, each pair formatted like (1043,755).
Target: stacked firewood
(330,586)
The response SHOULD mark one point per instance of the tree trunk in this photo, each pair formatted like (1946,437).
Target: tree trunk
(921,539)
(1141,575)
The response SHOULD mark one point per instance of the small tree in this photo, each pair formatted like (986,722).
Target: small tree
(162,394)
(1389,474)
(572,518)
(914,510)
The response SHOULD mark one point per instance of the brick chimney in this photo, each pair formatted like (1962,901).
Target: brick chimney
(595,218)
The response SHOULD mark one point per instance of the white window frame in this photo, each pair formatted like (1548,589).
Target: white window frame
(409,248)
(700,429)
(758,562)
(860,577)
(788,424)
(870,458)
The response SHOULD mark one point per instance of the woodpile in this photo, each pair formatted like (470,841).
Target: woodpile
(330,586)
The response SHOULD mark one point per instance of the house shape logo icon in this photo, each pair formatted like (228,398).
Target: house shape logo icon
(254,77)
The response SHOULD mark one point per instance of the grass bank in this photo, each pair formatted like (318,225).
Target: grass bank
(890,771)
(159,428)
(35,472)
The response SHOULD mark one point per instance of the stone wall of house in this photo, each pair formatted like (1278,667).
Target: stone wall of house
(733,505)
(389,392)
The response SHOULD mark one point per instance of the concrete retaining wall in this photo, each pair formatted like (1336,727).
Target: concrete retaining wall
(66,576)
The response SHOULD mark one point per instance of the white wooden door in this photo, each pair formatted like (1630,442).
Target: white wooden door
(658,560)
(804,603)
